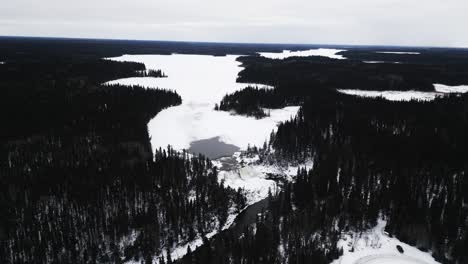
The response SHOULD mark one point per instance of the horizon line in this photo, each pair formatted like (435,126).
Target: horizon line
(226,42)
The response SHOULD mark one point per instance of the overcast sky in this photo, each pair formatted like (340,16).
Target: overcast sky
(392,22)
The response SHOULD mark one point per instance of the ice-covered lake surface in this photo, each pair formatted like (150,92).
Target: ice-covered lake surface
(399,52)
(201,81)
(440,91)
(212,148)
(330,53)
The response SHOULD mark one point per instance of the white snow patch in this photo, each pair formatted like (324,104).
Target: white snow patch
(399,52)
(376,247)
(330,53)
(393,95)
(441,88)
(201,81)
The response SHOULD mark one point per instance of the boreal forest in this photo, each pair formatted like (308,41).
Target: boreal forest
(80,182)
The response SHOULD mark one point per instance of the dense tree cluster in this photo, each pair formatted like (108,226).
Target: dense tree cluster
(153,73)
(251,101)
(299,75)
(279,235)
(407,160)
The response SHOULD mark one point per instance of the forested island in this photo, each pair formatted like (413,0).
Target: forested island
(80,183)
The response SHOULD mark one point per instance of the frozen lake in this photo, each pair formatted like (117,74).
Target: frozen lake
(212,148)
(330,53)
(440,91)
(201,81)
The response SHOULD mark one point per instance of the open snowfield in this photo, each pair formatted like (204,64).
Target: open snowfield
(201,81)
(330,53)
(375,246)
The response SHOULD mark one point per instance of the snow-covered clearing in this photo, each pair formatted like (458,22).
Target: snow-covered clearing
(330,53)
(201,81)
(375,246)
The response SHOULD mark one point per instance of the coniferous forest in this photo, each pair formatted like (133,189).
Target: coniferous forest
(80,183)
(372,157)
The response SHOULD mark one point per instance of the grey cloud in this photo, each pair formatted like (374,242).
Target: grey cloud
(393,22)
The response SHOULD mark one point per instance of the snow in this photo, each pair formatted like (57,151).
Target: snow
(399,52)
(375,246)
(247,173)
(441,88)
(201,81)
(330,53)
(440,91)
(192,122)
(373,62)
(394,95)
(251,179)
(197,79)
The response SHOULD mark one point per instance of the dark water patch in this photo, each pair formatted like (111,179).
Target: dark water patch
(212,148)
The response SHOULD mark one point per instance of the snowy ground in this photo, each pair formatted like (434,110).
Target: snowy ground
(376,247)
(330,53)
